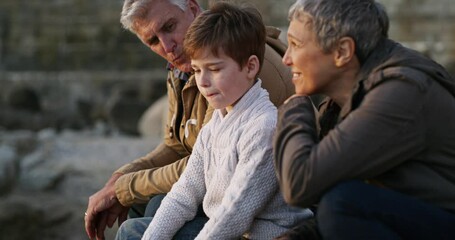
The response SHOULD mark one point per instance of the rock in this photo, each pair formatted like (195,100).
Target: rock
(24,98)
(33,160)
(52,187)
(41,179)
(24,141)
(8,169)
(47,134)
(124,109)
(37,217)
(152,122)
(16,221)
(124,115)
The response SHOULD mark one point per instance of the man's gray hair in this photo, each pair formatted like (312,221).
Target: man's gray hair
(134,10)
(365,21)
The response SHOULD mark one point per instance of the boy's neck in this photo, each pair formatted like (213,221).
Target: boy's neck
(229,108)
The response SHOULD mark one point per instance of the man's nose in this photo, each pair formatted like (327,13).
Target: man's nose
(168,45)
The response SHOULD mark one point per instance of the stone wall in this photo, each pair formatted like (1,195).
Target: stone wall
(427,26)
(61,35)
(69,35)
(77,58)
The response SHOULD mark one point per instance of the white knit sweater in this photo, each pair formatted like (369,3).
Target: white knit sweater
(231,171)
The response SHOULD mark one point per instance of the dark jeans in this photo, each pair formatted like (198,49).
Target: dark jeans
(155,202)
(356,210)
(134,228)
(137,210)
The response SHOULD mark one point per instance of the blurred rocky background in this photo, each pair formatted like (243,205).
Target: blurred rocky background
(75,97)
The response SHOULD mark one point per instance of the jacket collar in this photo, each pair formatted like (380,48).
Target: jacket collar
(379,55)
(184,76)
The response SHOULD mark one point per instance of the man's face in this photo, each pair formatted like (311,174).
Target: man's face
(164,29)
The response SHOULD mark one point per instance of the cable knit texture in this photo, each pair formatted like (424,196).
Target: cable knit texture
(231,172)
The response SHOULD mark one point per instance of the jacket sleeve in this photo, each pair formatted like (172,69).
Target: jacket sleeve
(152,174)
(383,132)
(160,156)
(137,187)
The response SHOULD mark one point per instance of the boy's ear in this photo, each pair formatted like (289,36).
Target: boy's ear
(252,66)
(344,51)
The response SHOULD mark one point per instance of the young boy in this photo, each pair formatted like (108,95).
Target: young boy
(230,170)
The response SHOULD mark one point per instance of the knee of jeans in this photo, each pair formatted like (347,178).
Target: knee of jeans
(133,229)
(126,226)
(340,197)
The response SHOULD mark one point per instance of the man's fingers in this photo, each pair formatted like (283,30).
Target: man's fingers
(111,217)
(101,226)
(89,224)
(122,217)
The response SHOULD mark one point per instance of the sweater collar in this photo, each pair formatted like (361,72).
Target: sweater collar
(247,99)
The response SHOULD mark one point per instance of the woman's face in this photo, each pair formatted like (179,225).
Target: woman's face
(313,70)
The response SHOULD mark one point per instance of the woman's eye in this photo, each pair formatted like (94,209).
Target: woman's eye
(295,44)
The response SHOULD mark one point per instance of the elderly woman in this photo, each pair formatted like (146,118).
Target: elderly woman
(379,157)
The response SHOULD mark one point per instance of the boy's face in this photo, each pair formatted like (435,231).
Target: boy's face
(220,79)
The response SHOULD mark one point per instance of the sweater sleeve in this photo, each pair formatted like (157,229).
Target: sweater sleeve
(252,186)
(181,203)
(383,132)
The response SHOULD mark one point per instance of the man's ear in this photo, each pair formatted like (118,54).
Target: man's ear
(252,66)
(344,51)
(194,7)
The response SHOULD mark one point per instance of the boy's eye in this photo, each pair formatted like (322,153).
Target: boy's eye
(214,69)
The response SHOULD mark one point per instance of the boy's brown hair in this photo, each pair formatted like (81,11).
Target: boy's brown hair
(238,31)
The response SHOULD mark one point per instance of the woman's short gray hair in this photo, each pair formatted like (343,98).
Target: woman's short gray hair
(365,21)
(134,10)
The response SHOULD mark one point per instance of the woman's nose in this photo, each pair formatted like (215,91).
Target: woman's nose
(286,59)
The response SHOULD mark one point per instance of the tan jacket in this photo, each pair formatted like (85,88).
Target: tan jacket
(157,171)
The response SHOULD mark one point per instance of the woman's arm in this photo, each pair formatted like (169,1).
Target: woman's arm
(384,131)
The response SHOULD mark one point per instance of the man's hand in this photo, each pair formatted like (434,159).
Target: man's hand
(103,210)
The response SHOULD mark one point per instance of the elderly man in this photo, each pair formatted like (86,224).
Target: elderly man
(161,25)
